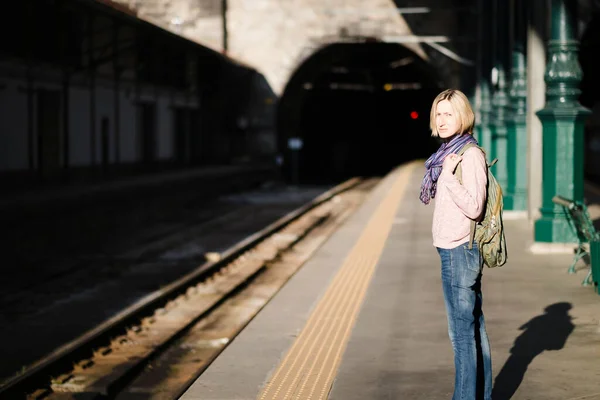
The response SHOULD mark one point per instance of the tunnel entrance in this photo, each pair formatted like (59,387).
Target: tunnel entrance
(360,109)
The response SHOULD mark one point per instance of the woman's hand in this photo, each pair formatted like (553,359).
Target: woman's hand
(450,162)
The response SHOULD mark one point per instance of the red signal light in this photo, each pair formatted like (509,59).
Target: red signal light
(414,115)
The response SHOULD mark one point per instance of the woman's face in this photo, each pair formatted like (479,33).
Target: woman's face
(446,120)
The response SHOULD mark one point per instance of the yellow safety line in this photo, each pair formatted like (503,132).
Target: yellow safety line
(308,369)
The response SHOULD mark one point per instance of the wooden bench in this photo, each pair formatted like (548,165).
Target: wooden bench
(582,224)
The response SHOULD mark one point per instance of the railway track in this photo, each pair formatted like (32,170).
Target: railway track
(157,347)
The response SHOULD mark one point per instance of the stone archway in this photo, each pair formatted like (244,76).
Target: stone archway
(273,37)
(276,37)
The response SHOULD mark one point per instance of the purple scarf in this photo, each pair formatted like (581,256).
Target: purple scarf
(434,164)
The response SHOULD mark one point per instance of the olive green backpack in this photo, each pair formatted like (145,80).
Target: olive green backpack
(489,232)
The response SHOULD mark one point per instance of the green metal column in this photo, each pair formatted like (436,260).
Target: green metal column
(516,190)
(484,131)
(562,123)
(484,70)
(500,96)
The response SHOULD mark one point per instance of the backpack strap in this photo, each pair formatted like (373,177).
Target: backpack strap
(458,174)
(467,147)
(472,235)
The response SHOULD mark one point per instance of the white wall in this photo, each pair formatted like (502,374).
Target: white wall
(536,98)
(14,140)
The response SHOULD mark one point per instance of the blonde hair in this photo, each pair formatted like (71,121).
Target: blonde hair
(460,105)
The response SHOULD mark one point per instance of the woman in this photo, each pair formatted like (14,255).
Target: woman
(456,205)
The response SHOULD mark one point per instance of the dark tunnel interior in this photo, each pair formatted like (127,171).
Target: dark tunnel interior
(360,109)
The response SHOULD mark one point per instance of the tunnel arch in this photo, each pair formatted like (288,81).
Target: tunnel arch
(360,108)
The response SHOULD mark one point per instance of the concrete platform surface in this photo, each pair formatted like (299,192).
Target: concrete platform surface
(544,326)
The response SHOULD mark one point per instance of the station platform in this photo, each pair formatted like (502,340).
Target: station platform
(364,318)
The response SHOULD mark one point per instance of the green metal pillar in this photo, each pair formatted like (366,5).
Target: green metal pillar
(482,129)
(499,129)
(485,130)
(562,124)
(500,97)
(516,190)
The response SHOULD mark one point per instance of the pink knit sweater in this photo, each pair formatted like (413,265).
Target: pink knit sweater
(455,204)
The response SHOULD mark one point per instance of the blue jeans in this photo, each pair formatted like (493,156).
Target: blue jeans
(461,281)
